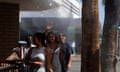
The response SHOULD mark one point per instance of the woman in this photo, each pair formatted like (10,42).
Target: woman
(54,49)
(36,56)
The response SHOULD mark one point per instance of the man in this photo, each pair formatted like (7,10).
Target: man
(21,49)
(66,53)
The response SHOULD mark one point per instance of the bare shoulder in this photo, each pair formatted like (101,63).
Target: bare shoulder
(46,50)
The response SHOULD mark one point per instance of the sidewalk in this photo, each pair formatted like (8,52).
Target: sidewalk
(76,57)
(76,63)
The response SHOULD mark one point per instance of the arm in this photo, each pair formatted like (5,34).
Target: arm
(69,62)
(21,52)
(37,63)
(48,61)
(70,51)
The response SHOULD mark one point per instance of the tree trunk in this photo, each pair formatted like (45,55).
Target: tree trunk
(109,40)
(90,36)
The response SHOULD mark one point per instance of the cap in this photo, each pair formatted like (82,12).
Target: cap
(22,42)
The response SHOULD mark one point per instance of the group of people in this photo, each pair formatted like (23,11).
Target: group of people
(47,52)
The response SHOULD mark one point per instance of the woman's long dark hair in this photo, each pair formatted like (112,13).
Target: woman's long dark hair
(40,36)
(51,32)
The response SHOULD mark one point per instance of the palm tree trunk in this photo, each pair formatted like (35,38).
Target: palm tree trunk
(90,34)
(109,40)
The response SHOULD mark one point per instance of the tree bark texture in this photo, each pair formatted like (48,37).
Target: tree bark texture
(90,36)
(109,39)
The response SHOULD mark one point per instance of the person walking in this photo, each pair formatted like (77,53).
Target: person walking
(36,58)
(65,54)
(54,49)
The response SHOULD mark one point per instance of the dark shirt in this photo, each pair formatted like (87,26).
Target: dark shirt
(67,51)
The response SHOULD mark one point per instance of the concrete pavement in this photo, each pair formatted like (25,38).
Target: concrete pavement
(76,64)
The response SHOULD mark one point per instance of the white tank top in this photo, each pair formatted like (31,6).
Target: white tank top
(39,54)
